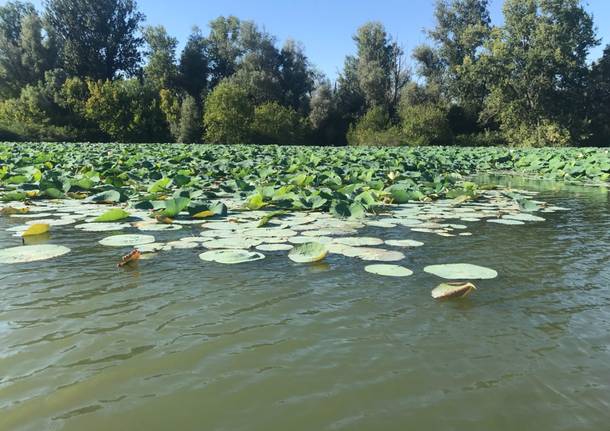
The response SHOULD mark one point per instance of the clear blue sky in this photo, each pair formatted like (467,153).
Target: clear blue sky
(325,27)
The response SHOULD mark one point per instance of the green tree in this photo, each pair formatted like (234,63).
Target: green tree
(160,70)
(228,114)
(598,96)
(425,124)
(537,64)
(297,77)
(277,124)
(190,121)
(193,67)
(375,128)
(224,47)
(25,54)
(98,38)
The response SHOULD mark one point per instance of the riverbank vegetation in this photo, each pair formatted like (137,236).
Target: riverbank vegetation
(90,70)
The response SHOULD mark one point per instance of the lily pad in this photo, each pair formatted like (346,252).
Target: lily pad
(101,227)
(308,252)
(115,214)
(388,270)
(36,229)
(452,290)
(127,240)
(404,243)
(461,271)
(508,222)
(523,217)
(32,253)
(231,243)
(358,241)
(275,247)
(230,257)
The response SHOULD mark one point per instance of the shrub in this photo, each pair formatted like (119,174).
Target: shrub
(425,124)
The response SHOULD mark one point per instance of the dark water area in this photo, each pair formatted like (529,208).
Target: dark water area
(177,343)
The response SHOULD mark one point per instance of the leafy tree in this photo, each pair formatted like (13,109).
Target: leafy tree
(277,124)
(425,124)
(598,96)
(375,128)
(190,121)
(297,77)
(98,38)
(161,70)
(193,67)
(224,47)
(25,54)
(228,114)
(537,64)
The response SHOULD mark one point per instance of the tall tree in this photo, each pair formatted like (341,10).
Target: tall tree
(228,114)
(161,69)
(598,98)
(98,38)
(296,76)
(224,48)
(193,67)
(537,63)
(25,54)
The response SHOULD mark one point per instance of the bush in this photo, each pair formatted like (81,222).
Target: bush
(375,128)
(228,114)
(425,124)
(482,139)
(277,124)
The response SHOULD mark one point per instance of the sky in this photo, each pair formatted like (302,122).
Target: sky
(325,27)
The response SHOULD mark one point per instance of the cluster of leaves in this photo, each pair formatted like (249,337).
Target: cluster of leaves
(349,182)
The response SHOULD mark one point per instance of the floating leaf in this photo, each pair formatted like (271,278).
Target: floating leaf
(127,240)
(107,197)
(308,252)
(461,271)
(174,206)
(389,270)
(32,253)
(404,243)
(115,214)
(132,256)
(230,257)
(452,290)
(36,229)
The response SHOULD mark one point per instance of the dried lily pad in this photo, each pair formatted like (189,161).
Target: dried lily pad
(32,253)
(404,243)
(508,222)
(275,247)
(452,290)
(358,241)
(388,270)
(461,271)
(101,227)
(523,217)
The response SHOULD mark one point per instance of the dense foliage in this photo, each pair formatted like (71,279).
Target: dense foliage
(349,182)
(90,70)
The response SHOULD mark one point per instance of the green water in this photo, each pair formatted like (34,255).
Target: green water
(176,343)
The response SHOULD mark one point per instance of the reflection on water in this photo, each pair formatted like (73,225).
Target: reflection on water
(176,343)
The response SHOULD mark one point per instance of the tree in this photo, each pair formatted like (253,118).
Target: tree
(224,48)
(193,67)
(296,77)
(277,124)
(598,97)
(425,124)
(537,64)
(190,121)
(98,38)
(375,128)
(161,70)
(25,54)
(228,114)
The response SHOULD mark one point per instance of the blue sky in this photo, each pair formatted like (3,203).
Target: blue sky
(325,27)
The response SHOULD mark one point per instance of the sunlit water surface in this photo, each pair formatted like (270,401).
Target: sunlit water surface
(178,344)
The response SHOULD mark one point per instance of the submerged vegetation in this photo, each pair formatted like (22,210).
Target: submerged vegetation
(85,70)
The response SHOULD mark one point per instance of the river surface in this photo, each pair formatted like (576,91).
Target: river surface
(175,343)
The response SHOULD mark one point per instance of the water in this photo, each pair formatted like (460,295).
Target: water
(176,343)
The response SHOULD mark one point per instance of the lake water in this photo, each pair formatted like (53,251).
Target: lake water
(177,343)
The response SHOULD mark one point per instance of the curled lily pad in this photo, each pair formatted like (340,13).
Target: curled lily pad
(127,240)
(308,252)
(452,290)
(230,257)
(32,253)
(36,229)
(461,271)
(388,270)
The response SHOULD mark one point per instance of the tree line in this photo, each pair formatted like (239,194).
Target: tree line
(90,70)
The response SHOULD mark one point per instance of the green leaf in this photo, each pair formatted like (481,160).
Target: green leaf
(113,214)
(174,206)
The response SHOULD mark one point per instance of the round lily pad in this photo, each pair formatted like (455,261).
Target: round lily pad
(127,240)
(230,257)
(101,227)
(275,247)
(159,227)
(388,270)
(379,254)
(461,271)
(523,217)
(308,252)
(358,241)
(404,243)
(32,253)
(231,243)
(508,222)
